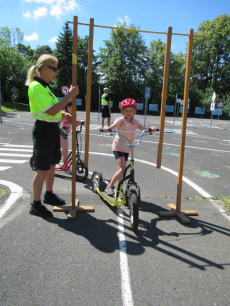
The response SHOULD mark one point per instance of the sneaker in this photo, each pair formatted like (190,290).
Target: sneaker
(57,166)
(122,194)
(40,210)
(69,171)
(53,199)
(109,190)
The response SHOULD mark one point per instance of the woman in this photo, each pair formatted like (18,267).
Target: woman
(46,109)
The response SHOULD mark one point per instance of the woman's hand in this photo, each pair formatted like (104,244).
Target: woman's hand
(73,91)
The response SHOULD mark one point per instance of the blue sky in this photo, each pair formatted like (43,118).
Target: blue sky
(41,21)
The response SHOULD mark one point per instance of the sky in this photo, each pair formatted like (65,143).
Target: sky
(41,21)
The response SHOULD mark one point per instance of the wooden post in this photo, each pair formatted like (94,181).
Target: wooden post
(75,203)
(164,96)
(74,109)
(176,210)
(88,95)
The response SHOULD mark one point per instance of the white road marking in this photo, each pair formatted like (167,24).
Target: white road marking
(4,168)
(16,146)
(200,141)
(13,161)
(125,279)
(17,155)
(16,150)
(16,193)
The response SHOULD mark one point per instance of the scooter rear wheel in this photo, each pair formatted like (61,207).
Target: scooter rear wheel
(96,179)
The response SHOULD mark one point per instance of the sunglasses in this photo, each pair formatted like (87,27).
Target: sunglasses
(53,68)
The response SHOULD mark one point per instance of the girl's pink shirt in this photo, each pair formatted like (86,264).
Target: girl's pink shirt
(128,138)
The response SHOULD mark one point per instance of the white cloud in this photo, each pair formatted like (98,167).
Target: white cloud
(70,6)
(53,40)
(125,19)
(27,14)
(41,1)
(56,8)
(34,36)
(40,12)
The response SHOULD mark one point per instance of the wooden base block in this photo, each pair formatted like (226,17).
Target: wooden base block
(181,214)
(72,209)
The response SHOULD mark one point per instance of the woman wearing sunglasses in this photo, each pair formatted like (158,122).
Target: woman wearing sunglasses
(46,110)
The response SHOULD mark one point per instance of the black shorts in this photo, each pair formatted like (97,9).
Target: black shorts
(105,111)
(46,145)
(119,154)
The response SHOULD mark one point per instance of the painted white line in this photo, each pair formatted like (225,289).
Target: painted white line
(224,144)
(4,168)
(18,155)
(16,193)
(200,141)
(16,150)
(125,279)
(17,146)
(18,123)
(13,161)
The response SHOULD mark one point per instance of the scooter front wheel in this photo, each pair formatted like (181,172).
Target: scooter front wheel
(81,172)
(96,179)
(133,208)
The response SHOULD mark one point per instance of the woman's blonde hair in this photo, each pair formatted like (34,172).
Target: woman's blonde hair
(43,60)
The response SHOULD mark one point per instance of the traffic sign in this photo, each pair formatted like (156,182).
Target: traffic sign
(65,90)
(220,105)
(214,97)
(14,90)
(147,92)
(212,107)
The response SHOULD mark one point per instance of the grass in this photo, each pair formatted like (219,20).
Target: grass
(8,107)
(225,201)
(2,192)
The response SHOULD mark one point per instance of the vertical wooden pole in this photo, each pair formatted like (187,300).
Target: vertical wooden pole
(164,96)
(88,95)
(74,108)
(184,120)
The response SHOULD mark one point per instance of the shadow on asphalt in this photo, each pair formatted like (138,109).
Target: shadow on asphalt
(102,234)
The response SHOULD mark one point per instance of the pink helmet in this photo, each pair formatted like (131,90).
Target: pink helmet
(128,102)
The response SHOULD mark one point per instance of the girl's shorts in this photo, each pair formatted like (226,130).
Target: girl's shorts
(63,134)
(118,154)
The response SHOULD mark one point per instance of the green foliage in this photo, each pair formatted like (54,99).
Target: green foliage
(211,62)
(63,52)
(127,66)
(123,64)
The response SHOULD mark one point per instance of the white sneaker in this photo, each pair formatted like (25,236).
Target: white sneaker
(69,171)
(109,190)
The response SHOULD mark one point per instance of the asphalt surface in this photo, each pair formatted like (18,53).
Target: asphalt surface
(97,259)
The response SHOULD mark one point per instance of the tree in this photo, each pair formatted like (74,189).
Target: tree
(13,73)
(123,63)
(10,37)
(211,60)
(63,52)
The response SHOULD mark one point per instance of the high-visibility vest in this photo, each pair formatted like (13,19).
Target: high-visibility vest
(103,101)
(41,99)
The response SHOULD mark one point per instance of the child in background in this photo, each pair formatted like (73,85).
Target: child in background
(121,152)
(65,128)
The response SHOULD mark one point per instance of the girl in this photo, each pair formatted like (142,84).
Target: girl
(65,129)
(121,153)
